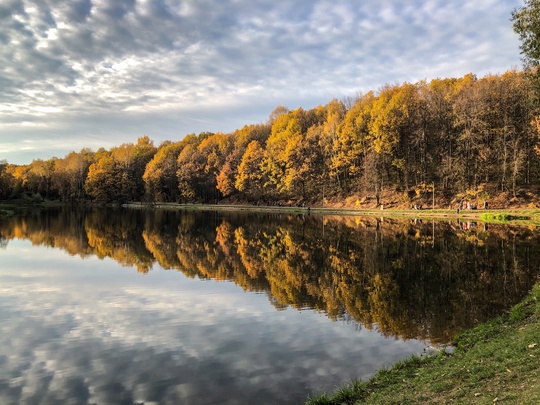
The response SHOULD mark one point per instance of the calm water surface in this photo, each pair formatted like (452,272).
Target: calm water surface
(126,306)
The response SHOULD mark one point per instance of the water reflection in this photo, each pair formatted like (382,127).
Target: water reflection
(88,331)
(410,279)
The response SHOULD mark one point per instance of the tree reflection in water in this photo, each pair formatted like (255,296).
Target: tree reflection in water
(410,279)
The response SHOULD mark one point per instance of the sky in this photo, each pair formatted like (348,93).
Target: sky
(99,73)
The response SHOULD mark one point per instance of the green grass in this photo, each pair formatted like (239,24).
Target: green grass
(502,217)
(495,362)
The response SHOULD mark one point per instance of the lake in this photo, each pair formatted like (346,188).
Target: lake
(127,306)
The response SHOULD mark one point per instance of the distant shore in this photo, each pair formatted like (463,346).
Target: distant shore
(516,215)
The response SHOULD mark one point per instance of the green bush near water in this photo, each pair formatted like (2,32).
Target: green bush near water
(501,217)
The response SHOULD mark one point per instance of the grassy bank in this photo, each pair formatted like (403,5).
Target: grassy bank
(497,362)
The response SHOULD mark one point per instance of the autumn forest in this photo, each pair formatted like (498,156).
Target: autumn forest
(465,137)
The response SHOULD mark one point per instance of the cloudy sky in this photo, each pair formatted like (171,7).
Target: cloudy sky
(92,73)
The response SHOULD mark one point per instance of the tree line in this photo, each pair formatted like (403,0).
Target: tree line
(465,136)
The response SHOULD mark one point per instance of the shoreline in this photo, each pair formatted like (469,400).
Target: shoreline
(496,361)
(512,216)
(525,216)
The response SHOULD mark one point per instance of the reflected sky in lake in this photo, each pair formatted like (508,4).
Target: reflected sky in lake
(91,331)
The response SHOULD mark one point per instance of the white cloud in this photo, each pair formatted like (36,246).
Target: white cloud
(232,61)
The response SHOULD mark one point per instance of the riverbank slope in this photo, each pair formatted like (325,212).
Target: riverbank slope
(497,362)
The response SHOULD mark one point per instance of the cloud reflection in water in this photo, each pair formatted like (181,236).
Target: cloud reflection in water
(90,331)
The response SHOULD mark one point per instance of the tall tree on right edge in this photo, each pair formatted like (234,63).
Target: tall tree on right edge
(527,25)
